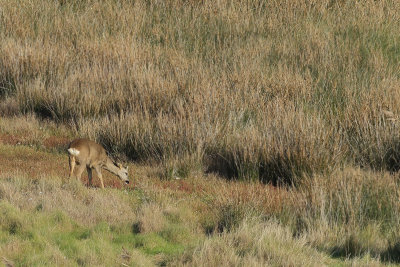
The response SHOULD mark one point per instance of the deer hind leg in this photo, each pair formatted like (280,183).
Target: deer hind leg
(89,171)
(80,170)
(71,165)
(98,171)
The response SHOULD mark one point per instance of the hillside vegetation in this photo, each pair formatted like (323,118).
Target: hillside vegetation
(254,89)
(284,93)
(347,219)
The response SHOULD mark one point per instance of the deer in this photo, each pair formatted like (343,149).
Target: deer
(89,154)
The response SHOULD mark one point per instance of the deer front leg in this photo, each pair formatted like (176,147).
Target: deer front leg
(98,171)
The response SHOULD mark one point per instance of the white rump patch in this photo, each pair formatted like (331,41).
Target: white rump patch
(73,151)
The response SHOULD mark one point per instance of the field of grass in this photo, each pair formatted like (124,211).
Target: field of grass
(255,130)
(48,220)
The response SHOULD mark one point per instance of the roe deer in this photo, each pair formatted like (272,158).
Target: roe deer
(91,155)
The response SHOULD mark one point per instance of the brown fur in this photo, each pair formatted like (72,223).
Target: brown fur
(91,155)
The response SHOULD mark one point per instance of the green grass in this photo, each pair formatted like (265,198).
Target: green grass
(33,235)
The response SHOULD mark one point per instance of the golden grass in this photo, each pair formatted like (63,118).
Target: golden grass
(256,244)
(247,89)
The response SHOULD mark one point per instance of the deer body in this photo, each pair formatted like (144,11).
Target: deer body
(91,155)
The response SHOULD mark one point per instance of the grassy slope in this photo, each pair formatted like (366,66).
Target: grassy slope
(288,91)
(200,221)
(45,223)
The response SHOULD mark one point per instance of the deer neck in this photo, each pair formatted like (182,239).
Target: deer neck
(110,166)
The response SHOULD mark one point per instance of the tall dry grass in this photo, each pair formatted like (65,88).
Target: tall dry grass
(264,90)
(349,213)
